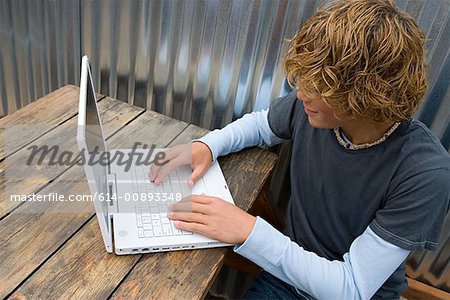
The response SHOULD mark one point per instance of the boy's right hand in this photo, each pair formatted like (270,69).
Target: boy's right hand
(196,154)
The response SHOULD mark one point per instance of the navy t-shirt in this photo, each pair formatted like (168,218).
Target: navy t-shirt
(400,188)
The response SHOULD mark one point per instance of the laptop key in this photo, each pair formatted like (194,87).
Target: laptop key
(138,220)
(166,229)
(140,232)
(148,226)
(157,231)
(165,220)
(175,230)
(148,233)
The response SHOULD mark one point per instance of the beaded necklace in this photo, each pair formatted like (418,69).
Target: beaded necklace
(366,145)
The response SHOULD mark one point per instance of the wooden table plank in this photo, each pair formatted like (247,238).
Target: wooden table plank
(24,230)
(18,178)
(65,274)
(172,275)
(255,167)
(72,272)
(50,110)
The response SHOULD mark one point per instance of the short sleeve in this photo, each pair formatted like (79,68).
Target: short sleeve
(284,113)
(415,210)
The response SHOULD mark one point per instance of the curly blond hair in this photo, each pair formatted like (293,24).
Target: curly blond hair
(365,58)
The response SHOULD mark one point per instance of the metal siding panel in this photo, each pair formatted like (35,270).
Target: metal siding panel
(143,51)
(35,17)
(433,18)
(203,70)
(437,46)
(6,58)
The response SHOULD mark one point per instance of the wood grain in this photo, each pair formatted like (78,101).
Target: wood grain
(190,133)
(16,177)
(246,170)
(172,275)
(27,238)
(82,269)
(421,291)
(43,284)
(47,113)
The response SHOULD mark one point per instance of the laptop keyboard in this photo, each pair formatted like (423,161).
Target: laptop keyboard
(153,202)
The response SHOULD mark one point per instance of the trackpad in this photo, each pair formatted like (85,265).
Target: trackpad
(199,188)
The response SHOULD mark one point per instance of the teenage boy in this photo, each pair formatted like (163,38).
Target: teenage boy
(369,183)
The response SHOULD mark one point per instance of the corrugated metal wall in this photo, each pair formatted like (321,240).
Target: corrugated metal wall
(205,62)
(40,49)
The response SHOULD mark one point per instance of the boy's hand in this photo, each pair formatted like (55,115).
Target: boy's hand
(196,154)
(212,217)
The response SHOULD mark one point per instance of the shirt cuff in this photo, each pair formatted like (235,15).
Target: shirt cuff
(264,246)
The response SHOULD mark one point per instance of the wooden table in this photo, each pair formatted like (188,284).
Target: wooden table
(54,255)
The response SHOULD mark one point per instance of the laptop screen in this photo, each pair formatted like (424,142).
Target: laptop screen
(96,147)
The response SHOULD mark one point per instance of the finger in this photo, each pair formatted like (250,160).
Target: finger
(193,227)
(203,199)
(191,207)
(197,173)
(170,154)
(185,206)
(154,169)
(167,168)
(188,217)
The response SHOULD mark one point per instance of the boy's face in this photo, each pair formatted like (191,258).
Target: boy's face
(320,115)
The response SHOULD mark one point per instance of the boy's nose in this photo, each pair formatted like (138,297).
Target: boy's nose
(301,98)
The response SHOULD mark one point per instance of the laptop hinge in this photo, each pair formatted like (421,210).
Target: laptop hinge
(112,194)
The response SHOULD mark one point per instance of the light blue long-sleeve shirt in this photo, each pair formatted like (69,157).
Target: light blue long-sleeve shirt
(366,266)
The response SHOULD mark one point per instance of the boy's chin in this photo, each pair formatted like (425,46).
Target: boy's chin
(320,125)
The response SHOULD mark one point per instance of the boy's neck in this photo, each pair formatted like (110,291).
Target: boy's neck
(362,132)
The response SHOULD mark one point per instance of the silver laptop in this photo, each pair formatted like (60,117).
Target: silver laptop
(131,210)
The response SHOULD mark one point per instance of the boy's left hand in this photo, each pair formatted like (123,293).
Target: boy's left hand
(212,217)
